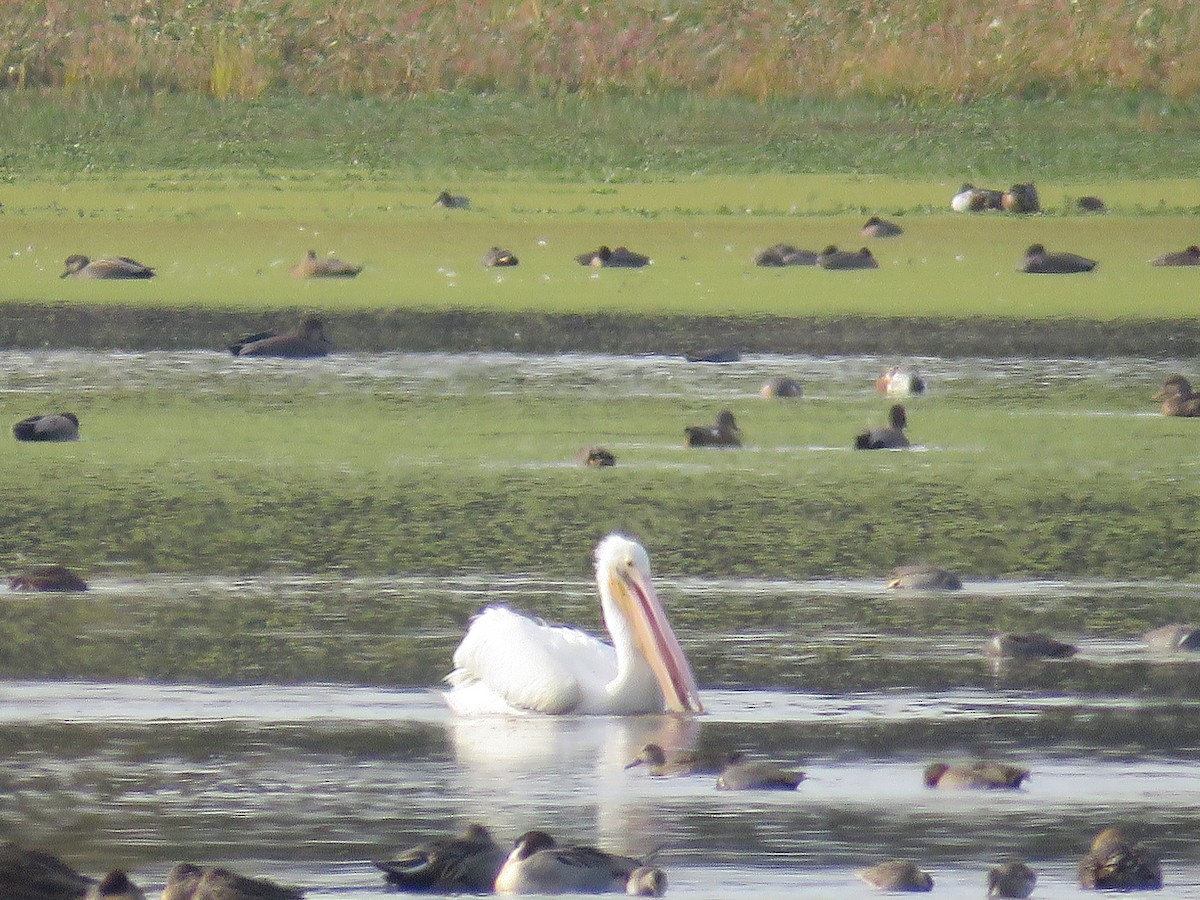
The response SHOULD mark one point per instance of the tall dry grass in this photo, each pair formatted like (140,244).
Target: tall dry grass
(761,49)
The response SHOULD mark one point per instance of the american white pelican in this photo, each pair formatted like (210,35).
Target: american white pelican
(510,663)
(537,865)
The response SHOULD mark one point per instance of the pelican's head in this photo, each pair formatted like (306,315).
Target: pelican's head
(623,573)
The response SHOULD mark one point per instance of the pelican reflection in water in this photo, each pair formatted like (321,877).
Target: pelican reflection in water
(510,663)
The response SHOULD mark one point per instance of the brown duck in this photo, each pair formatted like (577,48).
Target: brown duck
(110,267)
(833,258)
(758,775)
(1187,257)
(47,579)
(1113,863)
(1028,646)
(1013,879)
(724,434)
(313,266)
(979,775)
(498,258)
(1178,398)
(305,340)
(447,200)
(597,457)
(924,578)
(187,881)
(661,764)
(1021,198)
(876,227)
(897,875)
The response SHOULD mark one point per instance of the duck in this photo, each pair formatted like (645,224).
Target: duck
(538,865)
(187,881)
(1113,863)
(1173,638)
(758,775)
(1189,256)
(661,764)
(47,579)
(1038,261)
(447,200)
(782,255)
(972,199)
(305,340)
(1013,879)
(30,874)
(714,355)
(724,434)
(1090,204)
(924,578)
(314,267)
(1021,198)
(979,775)
(1178,398)
(779,387)
(901,381)
(497,258)
(110,268)
(891,437)
(597,457)
(1028,646)
(53,427)
(876,227)
(897,875)
(621,258)
(833,258)
(116,885)
(646,881)
(466,863)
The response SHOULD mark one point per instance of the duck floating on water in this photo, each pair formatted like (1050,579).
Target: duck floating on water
(1013,879)
(723,434)
(447,200)
(113,268)
(53,427)
(1028,646)
(783,255)
(47,579)
(889,437)
(1114,863)
(187,881)
(758,775)
(979,775)
(876,227)
(833,258)
(508,662)
(1178,398)
(304,341)
(38,875)
(538,865)
(1039,261)
(897,875)
(661,764)
(312,266)
(1189,256)
(496,258)
(621,258)
(116,885)
(467,863)
(781,387)
(1173,638)
(924,578)
(901,381)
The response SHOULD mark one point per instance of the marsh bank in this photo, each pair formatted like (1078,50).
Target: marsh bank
(62,326)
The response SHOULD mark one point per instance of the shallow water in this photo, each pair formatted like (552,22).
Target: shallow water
(310,780)
(289,725)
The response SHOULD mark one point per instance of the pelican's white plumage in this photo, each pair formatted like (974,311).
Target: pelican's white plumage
(508,662)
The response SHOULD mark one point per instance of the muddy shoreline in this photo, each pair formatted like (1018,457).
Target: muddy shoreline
(60,327)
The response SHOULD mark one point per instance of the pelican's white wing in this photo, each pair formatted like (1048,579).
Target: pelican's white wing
(509,662)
